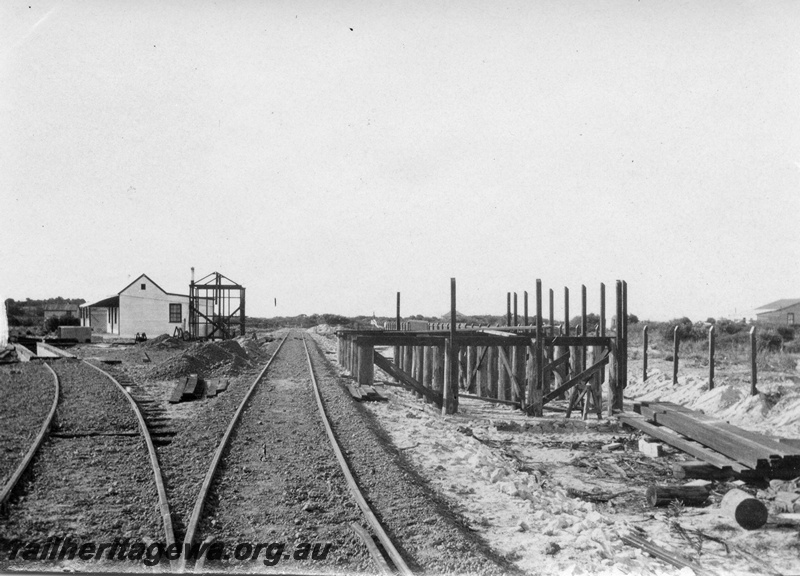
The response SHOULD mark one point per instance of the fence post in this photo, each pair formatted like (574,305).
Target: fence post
(450,397)
(753,371)
(398,312)
(525,307)
(644,354)
(675,344)
(711,358)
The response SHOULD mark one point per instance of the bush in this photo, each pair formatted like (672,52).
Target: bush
(686,330)
(786,332)
(52,323)
(768,339)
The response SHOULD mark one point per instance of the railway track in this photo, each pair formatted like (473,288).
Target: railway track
(279,487)
(89,478)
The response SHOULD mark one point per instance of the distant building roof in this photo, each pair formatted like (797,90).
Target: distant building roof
(52,307)
(778,305)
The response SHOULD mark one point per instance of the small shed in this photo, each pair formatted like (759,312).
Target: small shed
(785,312)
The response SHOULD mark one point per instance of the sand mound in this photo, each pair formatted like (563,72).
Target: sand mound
(323,329)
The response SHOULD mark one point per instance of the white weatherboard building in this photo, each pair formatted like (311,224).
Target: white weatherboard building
(142,306)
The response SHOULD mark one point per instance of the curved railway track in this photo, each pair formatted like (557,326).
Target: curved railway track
(88,478)
(9,486)
(290,486)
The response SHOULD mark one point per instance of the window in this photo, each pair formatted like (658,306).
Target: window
(175,313)
(143,286)
(790,319)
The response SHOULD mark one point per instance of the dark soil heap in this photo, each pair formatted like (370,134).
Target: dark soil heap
(225,358)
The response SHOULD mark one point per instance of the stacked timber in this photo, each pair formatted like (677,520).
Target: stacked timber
(715,441)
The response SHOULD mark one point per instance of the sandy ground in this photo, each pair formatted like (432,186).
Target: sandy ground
(547,496)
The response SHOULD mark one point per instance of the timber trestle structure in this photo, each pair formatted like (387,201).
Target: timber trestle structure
(526,366)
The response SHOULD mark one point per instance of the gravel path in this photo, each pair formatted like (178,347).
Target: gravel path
(27,392)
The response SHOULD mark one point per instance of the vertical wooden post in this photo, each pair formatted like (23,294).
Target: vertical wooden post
(539,372)
(566,311)
(552,318)
(624,351)
(753,355)
(644,353)
(516,318)
(339,349)
(419,355)
(427,371)
(491,362)
(398,311)
(675,347)
(450,404)
(602,309)
(471,360)
(711,358)
(616,399)
(508,308)
(438,369)
(584,326)
(408,360)
(366,361)
(518,368)
(396,356)
(503,380)
(482,386)
(525,307)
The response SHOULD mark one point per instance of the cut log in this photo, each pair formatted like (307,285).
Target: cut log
(746,511)
(663,495)
(700,469)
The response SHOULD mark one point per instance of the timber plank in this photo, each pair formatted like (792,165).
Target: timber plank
(773,446)
(689,446)
(193,387)
(177,393)
(354,391)
(710,435)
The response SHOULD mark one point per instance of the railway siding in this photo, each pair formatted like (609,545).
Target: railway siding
(91,480)
(26,390)
(429,536)
(90,402)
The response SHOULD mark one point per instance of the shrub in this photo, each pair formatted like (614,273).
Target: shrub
(786,332)
(52,323)
(768,339)
(686,330)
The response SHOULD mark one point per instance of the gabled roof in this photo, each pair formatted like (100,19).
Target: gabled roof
(153,283)
(779,305)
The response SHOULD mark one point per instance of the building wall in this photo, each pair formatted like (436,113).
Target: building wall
(781,317)
(147,310)
(96,318)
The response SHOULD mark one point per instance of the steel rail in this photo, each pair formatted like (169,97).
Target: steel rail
(12,482)
(163,504)
(197,511)
(373,521)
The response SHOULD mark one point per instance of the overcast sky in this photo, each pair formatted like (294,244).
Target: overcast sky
(330,154)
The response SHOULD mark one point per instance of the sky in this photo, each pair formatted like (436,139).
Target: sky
(327,155)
